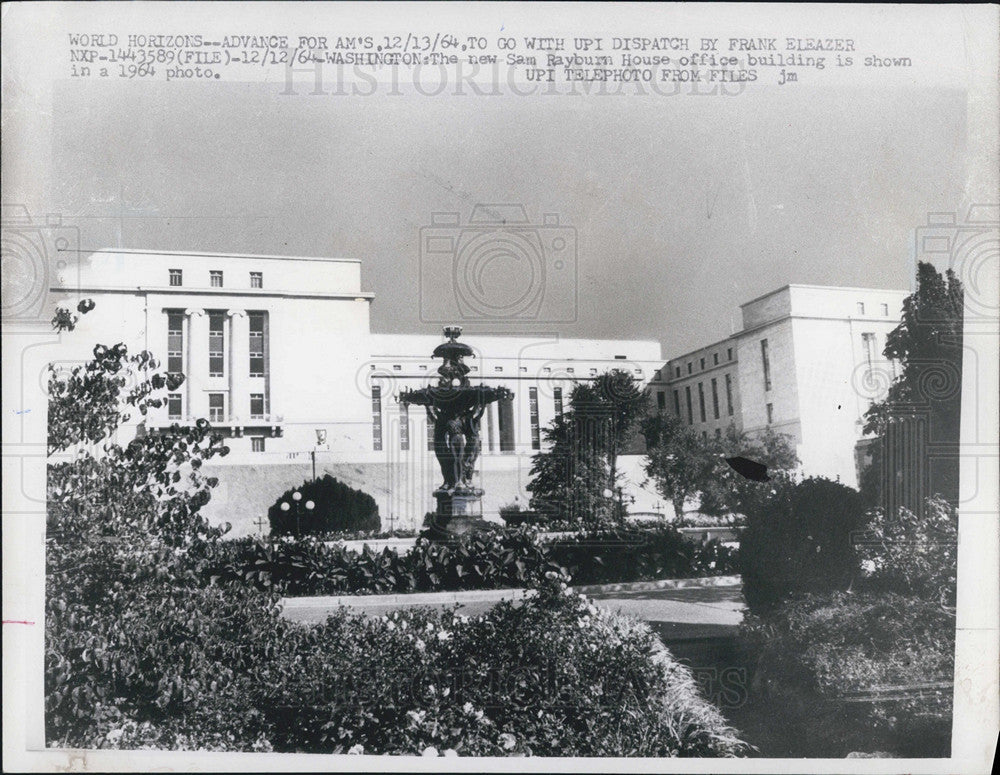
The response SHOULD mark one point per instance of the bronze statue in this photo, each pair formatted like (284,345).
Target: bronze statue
(455,407)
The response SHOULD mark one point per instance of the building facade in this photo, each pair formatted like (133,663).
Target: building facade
(278,354)
(807,362)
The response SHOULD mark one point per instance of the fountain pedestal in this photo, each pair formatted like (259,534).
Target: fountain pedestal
(459,511)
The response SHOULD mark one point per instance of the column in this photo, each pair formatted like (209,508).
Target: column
(197,363)
(239,365)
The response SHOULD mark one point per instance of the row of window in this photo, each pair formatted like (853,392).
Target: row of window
(217,406)
(217,343)
(214,278)
(702,412)
(499,369)
(883,308)
(505,422)
(703,362)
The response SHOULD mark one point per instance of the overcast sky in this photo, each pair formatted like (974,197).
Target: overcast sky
(683,207)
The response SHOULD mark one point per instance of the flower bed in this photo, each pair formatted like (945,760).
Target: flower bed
(503,558)
(161,662)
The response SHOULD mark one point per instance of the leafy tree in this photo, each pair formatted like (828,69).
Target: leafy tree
(579,464)
(678,461)
(337,507)
(153,485)
(927,344)
(728,491)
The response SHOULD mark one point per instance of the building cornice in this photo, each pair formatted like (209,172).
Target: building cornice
(229,292)
(196,254)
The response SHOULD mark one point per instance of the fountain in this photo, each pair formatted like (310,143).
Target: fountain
(455,406)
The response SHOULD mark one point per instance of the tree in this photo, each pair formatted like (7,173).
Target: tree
(153,485)
(728,491)
(678,461)
(927,344)
(570,477)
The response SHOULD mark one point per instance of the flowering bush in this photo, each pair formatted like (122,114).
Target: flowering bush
(553,676)
(913,554)
(859,671)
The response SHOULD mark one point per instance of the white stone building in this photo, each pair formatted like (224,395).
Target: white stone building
(807,362)
(279,356)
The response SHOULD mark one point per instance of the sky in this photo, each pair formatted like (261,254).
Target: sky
(674,211)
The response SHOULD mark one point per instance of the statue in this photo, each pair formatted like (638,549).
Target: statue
(455,407)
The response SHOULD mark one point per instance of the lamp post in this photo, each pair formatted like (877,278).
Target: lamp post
(286,507)
(320,439)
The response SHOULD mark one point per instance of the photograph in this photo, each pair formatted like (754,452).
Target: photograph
(389,384)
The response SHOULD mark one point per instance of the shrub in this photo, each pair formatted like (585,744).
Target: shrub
(799,540)
(552,677)
(337,507)
(483,560)
(859,671)
(913,554)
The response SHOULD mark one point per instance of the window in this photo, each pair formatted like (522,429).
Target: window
(570,370)
(677,372)
(677,403)
(715,359)
(557,401)
(689,367)
(498,368)
(376,418)
(621,357)
(661,400)
(715,398)
(868,343)
(523,369)
(397,367)
(404,427)
(885,310)
(701,401)
(215,278)
(702,364)
(766,361)
(176,277)
(861,308)
(593,372)
(175,342)
(257,407)
(174,406)
(729,394)
(770,413)
(546,369)
(505,422)
(257,444)
(258,343)
(687,396)
(256,279)
(729,353)
(536,441)
(423,367)
(216,344)
(216,407)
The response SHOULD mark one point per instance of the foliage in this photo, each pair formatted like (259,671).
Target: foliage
(484,560)
(552,676)
(913,554)
(337,508)
(798,539)
(927,344)
(683,465)
(151,486)
(868,671)
(578,465)
(148,645)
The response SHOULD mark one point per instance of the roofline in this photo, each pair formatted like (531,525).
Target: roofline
(820,287)
(130,251)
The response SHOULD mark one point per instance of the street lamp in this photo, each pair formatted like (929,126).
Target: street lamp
(320,439)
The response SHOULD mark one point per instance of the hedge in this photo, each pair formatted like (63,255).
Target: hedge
(487,560)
